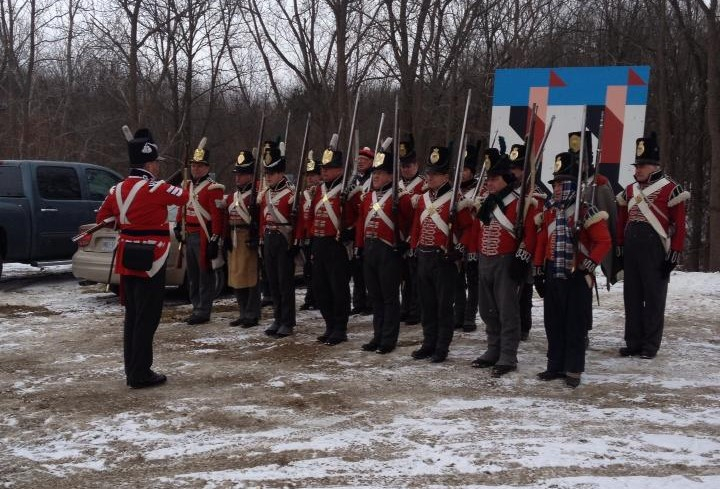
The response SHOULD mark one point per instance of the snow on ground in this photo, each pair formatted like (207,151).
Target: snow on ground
(244,410)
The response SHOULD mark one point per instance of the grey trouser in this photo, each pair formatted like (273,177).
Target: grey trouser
(201,283)
(499,309)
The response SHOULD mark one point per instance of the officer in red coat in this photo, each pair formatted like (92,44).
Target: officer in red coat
(413,183)
(203,218)
(651,238)
(437,265)
(139,204)
(566,257)
(503,263)
(312,181)
(331,222)
(359,186)
(278,243)
(242,253)
(378,241)
(466,291)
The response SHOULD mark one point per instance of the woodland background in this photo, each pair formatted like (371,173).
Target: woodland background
(72,72)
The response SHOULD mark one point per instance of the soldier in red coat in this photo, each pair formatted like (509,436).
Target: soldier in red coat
(651,238)
(378,240)
(466,291)
(566,256)
(139,204)
(312,181)
(329,228)
(503,263)
(242,253)
(203,219)
(359,186)
(412,183)
(277,240)
(438,264)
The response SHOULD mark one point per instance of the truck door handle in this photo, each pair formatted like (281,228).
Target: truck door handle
(48,210)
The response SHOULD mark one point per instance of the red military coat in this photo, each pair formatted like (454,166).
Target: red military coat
(498,237)
(204,212)
(324,215)
(142,217)
(430,222)
(594,241)
(275,209)
(661,203)
(376,219)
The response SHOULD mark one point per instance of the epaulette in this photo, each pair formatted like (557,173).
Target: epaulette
(354,190)
(215,186)
(622,198)
(155,184)
(464,203)
(539,219)
(594,215)
(112,190)
(414,200)
(677,195)
(261,195)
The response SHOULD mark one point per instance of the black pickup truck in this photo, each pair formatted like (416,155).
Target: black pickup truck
(42,205)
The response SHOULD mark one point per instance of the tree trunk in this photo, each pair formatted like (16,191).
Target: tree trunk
(713,118)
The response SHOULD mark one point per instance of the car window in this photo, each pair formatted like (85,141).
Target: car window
(11,182)
(99,182)
(58,183)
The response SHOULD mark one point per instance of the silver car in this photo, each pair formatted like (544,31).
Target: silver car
(93,258)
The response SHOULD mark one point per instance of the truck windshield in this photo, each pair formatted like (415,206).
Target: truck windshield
(10,182)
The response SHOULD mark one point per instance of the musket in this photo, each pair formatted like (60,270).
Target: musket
(520,221)
(578,190)
(183,209)
(492,144)
(536,169)
(348,155)
(287,127)
(300,182)
(90,231)
(254,209)
(483,170)
(380,128)
(598,154)
(458,172)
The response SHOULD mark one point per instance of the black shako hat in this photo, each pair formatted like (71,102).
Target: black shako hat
(383,160)
(332,157)
(565,167)
(517,156)
(406,150)
(142,148)
(245,163)
(438,161)
(647,151)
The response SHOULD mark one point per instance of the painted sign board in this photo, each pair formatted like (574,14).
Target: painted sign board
(619,93)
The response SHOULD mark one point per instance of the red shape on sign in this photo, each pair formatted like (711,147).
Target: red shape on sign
(555,80)
(635,79)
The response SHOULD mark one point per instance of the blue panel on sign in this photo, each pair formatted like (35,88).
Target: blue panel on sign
(582,86)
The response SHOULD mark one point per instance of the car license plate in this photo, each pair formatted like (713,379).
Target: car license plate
(106,245)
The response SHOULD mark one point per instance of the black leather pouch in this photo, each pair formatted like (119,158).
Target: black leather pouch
(138,256)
